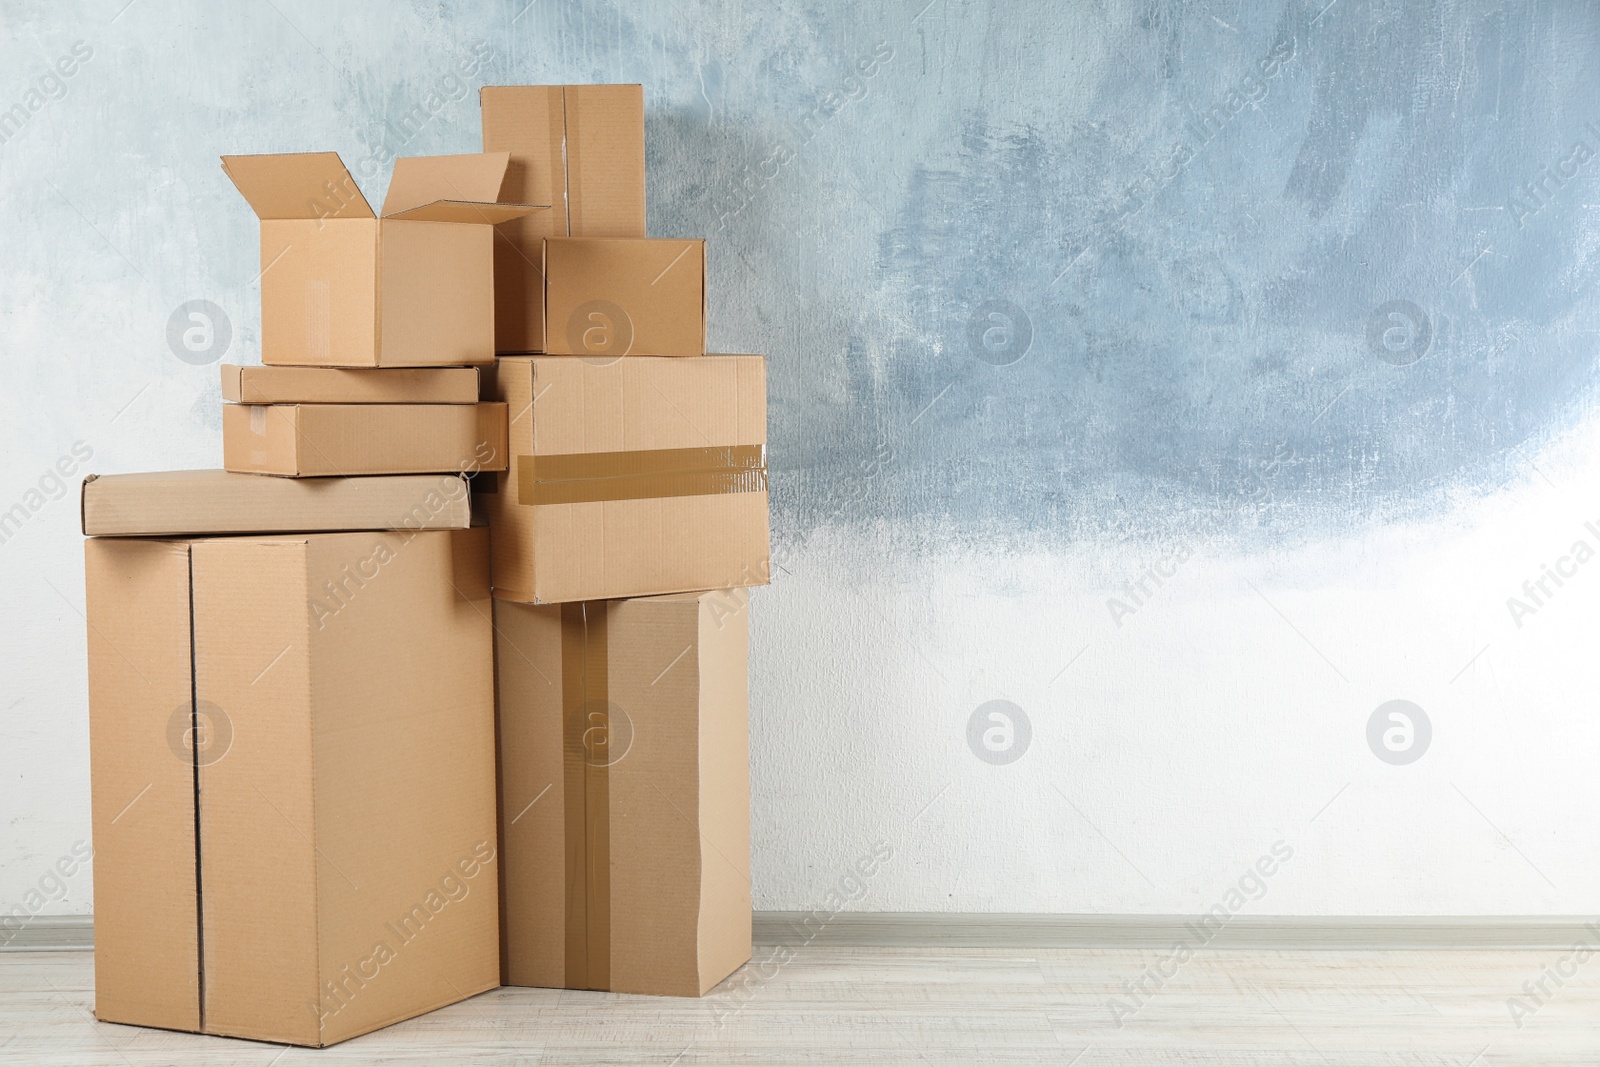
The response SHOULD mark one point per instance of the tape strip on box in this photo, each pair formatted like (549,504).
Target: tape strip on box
(643,474)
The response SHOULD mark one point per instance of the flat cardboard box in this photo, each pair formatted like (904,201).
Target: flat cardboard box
(305,440)
(291,748)
(607,297)
(578,147)
(193,503)
(629,478)
(343,288)
(625,792)
(338,385)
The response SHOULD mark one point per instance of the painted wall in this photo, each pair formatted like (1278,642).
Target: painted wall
(1196,379)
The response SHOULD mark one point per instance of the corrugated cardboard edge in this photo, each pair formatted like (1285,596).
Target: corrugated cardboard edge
(723,937)
(137,603)
(83,503)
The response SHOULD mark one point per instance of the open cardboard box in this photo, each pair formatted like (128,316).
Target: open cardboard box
(341,287)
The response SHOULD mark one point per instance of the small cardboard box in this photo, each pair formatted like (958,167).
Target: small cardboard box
(292,762)
(188,503)
(625,792)
(304,440)
(342,288)
(625,296)
(334,385)
(579,147)
(630,478)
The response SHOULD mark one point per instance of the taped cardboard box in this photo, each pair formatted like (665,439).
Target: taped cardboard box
(304,440)
(620,297)
(291,757)
(579,148)
(341,287)
(625,792)
(336,385)
(630,478)
(184,503)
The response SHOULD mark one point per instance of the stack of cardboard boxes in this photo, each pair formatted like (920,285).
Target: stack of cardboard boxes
(336,782)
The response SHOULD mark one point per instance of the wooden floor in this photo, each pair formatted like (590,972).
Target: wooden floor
(914,1006)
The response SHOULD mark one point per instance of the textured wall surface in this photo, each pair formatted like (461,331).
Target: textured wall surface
(1192,379)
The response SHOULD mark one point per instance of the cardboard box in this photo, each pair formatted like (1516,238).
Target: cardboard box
(578,147)
(342,288)
(630,478)
(620,297)
(294,811)
(301,440)
(625,792)
(334,385)
(187,503)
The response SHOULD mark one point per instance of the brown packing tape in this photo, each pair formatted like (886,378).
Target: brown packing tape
(642,474)
(585,733)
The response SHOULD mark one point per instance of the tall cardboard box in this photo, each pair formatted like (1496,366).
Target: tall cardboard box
(579,148)
(292,767)
(341,287)
(633,477)
(625,792)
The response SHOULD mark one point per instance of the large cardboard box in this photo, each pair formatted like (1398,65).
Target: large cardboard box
(303,440)
(638,476)
(579,148)
(625,792)
(183,503)
(291,746)
(618,297)
(338,385)
(343,288)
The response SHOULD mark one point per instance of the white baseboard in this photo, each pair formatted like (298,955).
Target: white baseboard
(45,933)
(1022,931)
(907,929)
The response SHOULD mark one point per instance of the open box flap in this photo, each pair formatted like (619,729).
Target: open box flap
(467,211)
(423,180)
(297,185)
